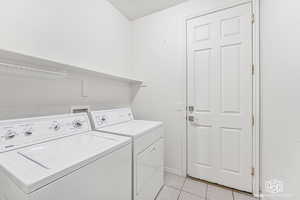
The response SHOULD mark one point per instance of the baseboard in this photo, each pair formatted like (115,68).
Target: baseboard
(174,171)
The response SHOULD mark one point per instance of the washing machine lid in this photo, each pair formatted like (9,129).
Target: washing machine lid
(36,166)
(133,128)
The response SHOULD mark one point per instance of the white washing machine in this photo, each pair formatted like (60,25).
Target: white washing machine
(148,146)
(60,158)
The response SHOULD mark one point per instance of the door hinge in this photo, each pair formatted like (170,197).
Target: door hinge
(252,171)
(253,18)
(252,69)
(252,120)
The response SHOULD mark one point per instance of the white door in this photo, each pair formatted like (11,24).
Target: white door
(219,53)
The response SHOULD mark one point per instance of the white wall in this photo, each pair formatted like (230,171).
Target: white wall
(281,84)
(157,50)
(158,60)
(86,33)
(93,34)
(28,97)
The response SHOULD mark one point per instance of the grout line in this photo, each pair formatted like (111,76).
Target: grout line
(175,188)
(181,189)
(220,186)
(160,191)
(191,193)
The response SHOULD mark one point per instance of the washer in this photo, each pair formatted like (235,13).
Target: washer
(59,157)
(148,146)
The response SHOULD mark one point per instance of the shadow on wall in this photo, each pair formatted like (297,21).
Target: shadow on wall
(23,97)
(135,90)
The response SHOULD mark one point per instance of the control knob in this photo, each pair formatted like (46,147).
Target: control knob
(10,135)
(77,124)
(103,118)
(56,126)
(28,132)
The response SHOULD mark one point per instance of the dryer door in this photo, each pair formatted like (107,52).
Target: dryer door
(149,172)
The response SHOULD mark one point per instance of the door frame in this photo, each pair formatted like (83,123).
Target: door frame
(256,144)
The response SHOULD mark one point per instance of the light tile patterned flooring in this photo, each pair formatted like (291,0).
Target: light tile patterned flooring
(180,188)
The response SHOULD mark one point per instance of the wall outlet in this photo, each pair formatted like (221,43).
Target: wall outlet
(80,109)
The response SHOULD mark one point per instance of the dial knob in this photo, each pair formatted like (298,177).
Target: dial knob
(56,126)
(28,132)
(77,124)
(103,118)
(10,135)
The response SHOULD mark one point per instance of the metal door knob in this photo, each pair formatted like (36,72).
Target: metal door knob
(191,118)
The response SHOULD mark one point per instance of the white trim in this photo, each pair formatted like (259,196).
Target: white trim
(256,86)
(184,72)
(174,171)
(256,97)
(217,9)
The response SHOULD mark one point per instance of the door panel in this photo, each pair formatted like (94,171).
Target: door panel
(230,27)
(219,56)
(202,138)
(202,80)
(230,78)
(202,157)
(230,150)
(202,32)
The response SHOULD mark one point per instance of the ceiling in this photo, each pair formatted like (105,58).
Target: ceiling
(134,9)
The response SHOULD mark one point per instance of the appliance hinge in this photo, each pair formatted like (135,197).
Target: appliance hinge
(252,69)
(252,120)
(252,171)
(253,18)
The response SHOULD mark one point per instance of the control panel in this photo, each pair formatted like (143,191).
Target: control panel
(105,118)
(23,132)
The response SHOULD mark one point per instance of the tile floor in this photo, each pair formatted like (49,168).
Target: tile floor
(180,188)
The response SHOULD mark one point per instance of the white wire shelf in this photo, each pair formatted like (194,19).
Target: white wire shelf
(25,70)
(19,64)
